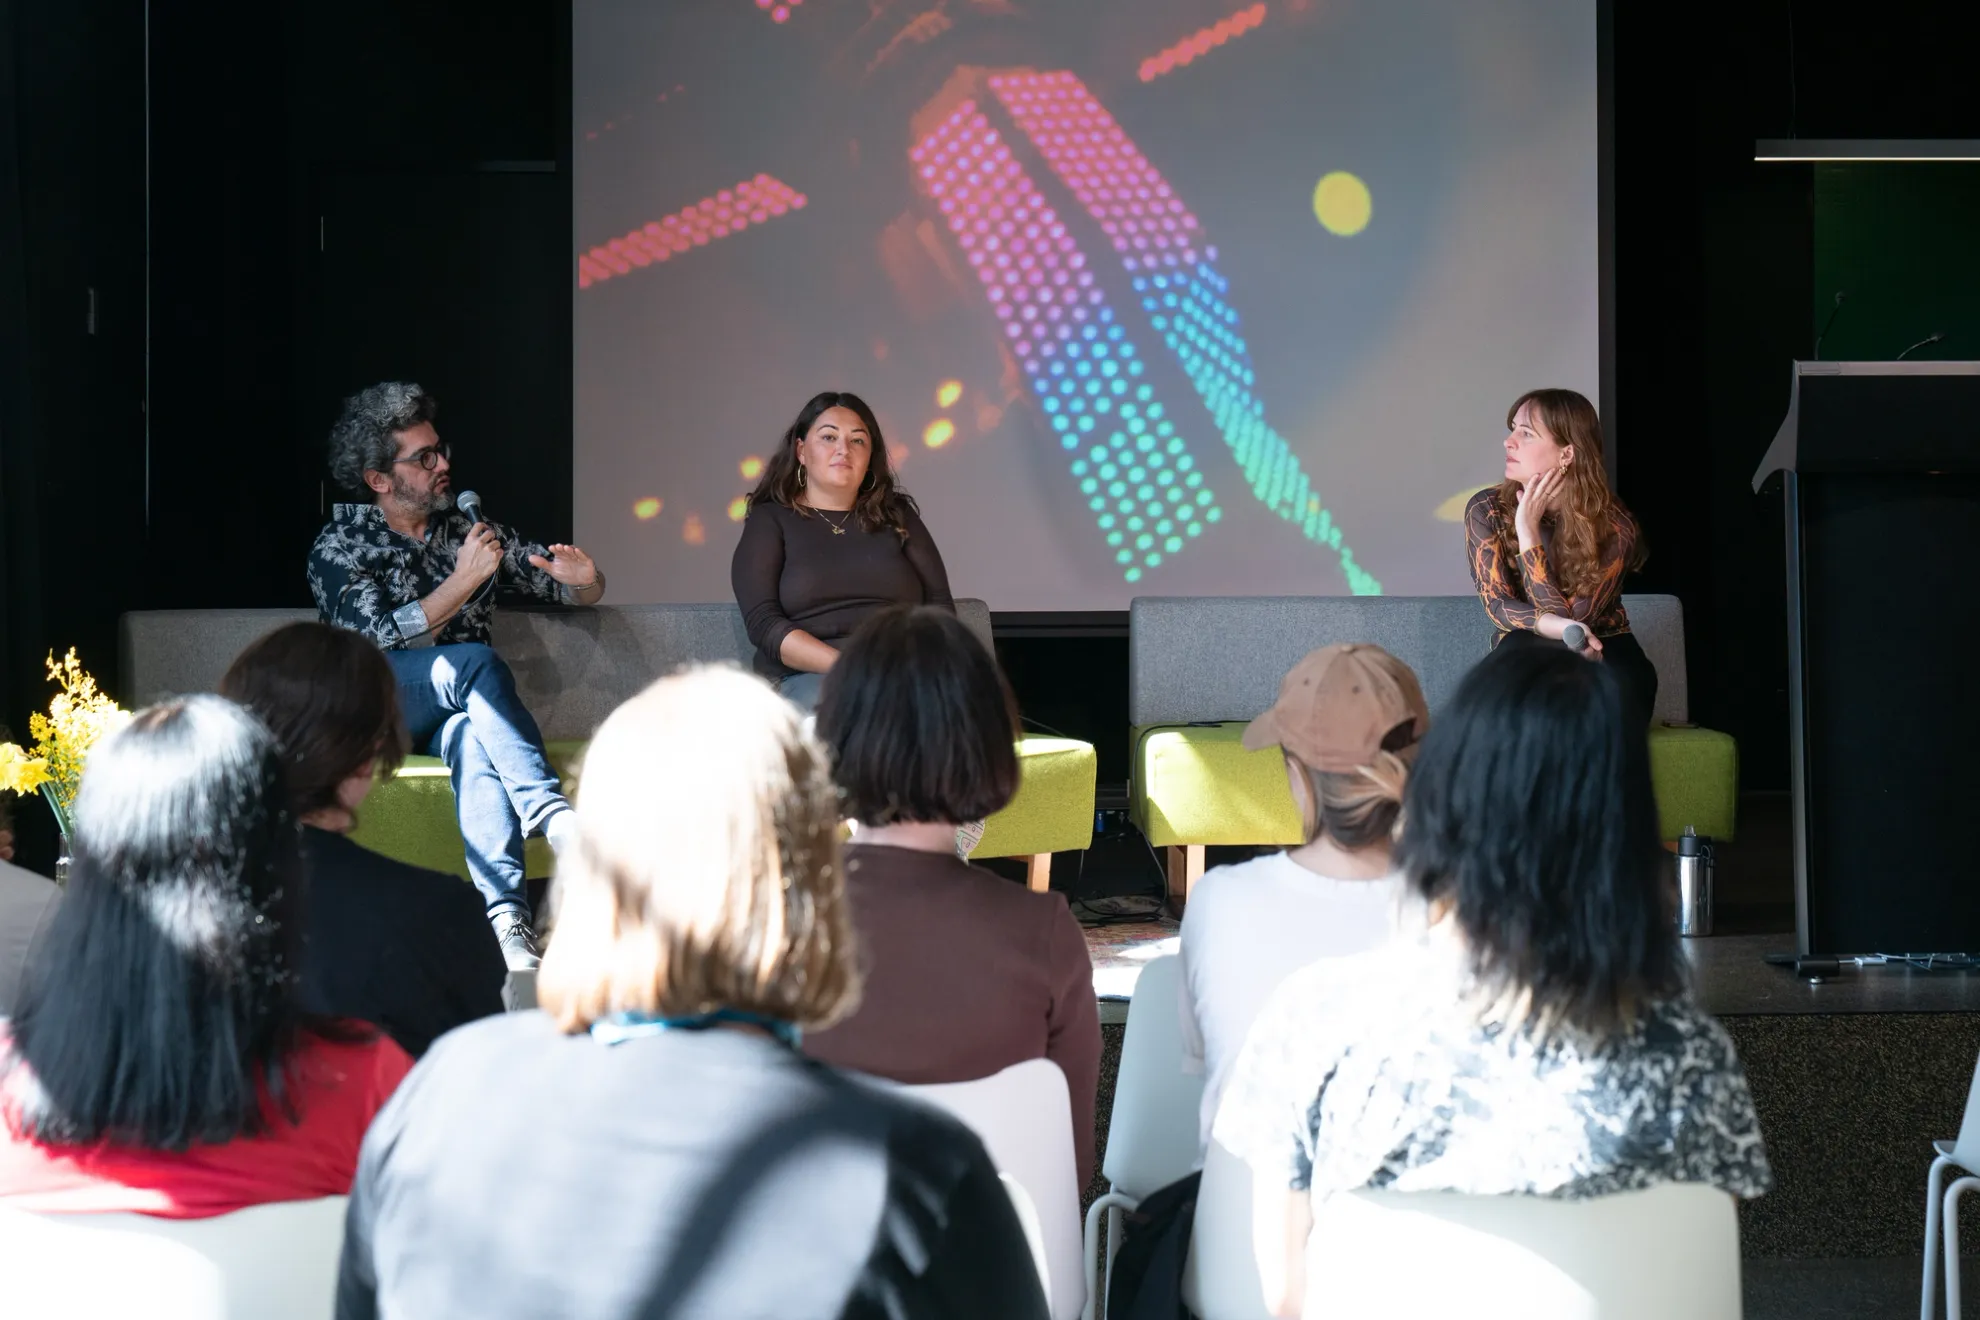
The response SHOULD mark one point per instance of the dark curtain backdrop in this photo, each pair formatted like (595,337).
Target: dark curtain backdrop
(309,161)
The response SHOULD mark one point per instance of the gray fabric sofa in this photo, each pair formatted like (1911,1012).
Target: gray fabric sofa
(572,668)
(1201,667)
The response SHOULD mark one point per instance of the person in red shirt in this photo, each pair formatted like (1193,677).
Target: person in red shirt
(157,1060)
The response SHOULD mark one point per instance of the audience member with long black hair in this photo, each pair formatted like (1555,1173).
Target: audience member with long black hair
(966,972)
(158,1060)
(654,1143)
(406,948)
(1539,1037)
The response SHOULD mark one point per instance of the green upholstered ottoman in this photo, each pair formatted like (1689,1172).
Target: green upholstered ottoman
(1053,809)
(411,816)
(1696,775)
(1195,784)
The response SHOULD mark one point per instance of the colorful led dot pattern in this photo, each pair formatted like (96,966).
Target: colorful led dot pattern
(1160,244)
(751,202)
(1135,470)
(1201,43)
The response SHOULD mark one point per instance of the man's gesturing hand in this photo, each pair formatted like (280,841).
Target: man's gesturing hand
(569,565)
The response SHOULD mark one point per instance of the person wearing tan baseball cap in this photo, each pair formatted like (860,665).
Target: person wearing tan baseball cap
(1348,720)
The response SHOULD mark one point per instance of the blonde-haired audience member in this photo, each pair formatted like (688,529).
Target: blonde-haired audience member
(1348,719)
(653,1141)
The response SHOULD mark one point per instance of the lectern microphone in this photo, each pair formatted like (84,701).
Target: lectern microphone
(1932,338)
(1841,297)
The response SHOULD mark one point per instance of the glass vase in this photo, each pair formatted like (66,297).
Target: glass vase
(62,859)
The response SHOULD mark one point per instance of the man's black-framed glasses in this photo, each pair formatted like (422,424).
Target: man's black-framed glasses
(429,457)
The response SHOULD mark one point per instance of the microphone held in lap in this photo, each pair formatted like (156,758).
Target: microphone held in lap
(1575,637)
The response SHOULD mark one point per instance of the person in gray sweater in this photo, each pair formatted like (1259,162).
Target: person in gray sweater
(653,1143)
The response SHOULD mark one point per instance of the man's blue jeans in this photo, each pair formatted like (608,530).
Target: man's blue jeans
(460,705)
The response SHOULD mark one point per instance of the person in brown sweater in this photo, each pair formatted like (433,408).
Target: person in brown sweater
(830,539)
(966,973)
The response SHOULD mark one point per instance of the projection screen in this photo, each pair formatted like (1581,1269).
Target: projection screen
(1151,297)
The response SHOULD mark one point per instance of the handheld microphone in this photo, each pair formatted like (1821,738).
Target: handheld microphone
(1575,638)
(469,503)
(1932,338)
(1840,297)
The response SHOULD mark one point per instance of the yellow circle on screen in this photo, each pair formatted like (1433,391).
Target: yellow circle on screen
(1341,203)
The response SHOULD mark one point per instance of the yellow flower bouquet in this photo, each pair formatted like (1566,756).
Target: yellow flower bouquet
(79,717)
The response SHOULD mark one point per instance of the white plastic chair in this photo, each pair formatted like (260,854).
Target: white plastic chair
(1671,1250)
(1942,1203)
(55,1269)
(1220,1277)
(1023,1116)
(1034,1232)
(1154,1127)
(267,1262)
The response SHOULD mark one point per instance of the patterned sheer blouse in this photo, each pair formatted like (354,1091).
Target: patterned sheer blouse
(1516,594)
(1380,1071)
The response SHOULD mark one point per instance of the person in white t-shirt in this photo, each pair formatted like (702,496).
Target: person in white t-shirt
(1348,720)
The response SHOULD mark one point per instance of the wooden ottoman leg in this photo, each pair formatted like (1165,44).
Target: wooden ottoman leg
(1185,869)
(1038,872)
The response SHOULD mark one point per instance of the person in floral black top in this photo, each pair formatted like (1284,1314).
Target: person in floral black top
(1540,1037)
(418,577)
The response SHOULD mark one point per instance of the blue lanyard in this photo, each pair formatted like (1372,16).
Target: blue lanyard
(622,1027)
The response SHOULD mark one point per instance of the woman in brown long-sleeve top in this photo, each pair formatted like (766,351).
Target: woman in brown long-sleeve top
(966,972)
(1549,544)
(830,539)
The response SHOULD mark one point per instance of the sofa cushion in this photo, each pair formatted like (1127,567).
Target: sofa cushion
(1053,809)
(411,816)
(1696,775)
(1208,659)
(1197,784)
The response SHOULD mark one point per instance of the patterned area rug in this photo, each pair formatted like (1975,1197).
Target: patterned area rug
(1120,951)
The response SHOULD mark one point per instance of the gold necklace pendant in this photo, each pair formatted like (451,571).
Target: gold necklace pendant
(838,529)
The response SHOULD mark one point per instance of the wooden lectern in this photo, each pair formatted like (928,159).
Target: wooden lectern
(1882,468)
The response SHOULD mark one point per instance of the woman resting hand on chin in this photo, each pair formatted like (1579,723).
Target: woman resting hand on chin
(829,541)
(1550,543)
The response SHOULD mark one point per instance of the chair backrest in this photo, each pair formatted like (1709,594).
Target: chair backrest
(1153,1130)
(1023,1115)
(1183,668)
(59,1265)
(163,653)
(1034,1232)
(572,667)
(270,1262)
(1966,1149)
(1220,1277)
(1195,659)
(1670,1250)
(1658,622)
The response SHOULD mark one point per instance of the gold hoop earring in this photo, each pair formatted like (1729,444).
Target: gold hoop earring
(800,476)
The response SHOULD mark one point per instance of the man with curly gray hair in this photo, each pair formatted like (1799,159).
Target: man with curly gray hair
(418,577)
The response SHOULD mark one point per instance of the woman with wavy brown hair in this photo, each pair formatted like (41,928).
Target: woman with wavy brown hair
(830,539)
(1550,543)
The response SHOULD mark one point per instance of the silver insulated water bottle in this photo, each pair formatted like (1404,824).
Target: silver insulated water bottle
(1694,863)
